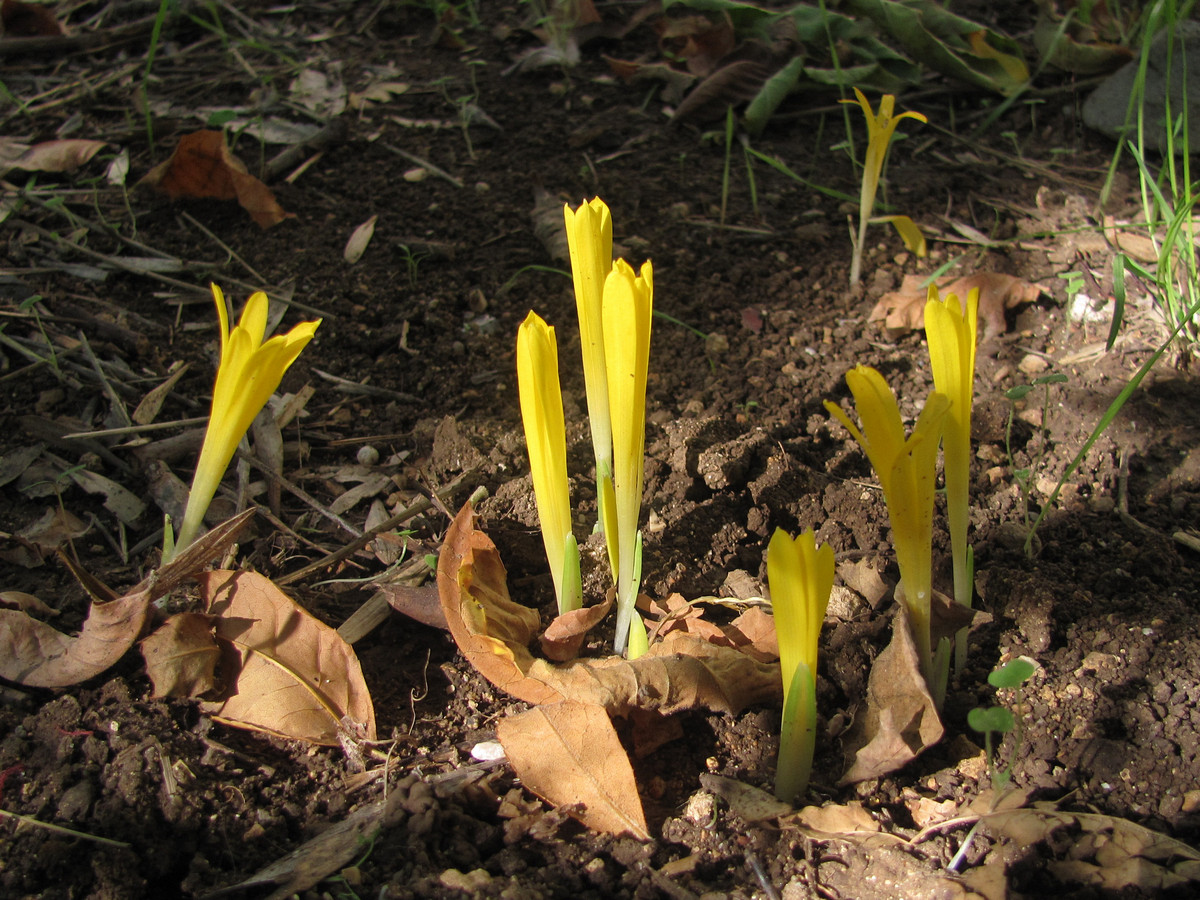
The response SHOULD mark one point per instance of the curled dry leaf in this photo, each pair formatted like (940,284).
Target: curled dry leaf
(284,672)
(900,720)
(181,656)
(359,239)
(904,310)
(569,755)
(64,155)
(750,803)
(34,654)
(835,819)
(203,166)
(564,636)
(493,632)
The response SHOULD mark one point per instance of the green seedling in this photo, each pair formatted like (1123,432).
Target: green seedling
(412,263)
(994,722)
(1024,476)
(991,721)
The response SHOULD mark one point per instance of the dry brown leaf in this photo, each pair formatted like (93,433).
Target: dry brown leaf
(64,155)
(750,803)
(19,19)
(900,720)
(678,673)
(356,246)
(34,654)
(182,655)
(203,166)
(904,310)
(19,600)
(53,529)
(564,636)
(284,672)
(753,633)
(698,40)
(417,602)
(1103,851)
(569,755)
(836,819)
(329,852)
(491,631)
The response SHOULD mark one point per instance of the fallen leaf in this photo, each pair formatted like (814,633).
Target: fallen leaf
(900,720)
(904,310)
(329,852)
(417,602)
(34,654)
(564,636)
(64,155)
(1102,851)
(18,19)
(836,819)
(750,803)
(679,673)
(493,632)
(19,600)
(285,672)
(359,239)
(181,656)
(569,755)
(53,529)
(150,405)
(202,166)
(699,41)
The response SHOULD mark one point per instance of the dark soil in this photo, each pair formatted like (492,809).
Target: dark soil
(738,444)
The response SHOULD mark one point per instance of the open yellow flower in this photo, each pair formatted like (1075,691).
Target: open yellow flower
(881,127)
(951,331)
(907,472)
(546,438)
(589,238)
(628,307)
(800,576)
(249,373)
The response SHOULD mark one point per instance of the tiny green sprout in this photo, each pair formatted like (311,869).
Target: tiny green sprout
(998,720)
(1024,476)
(1012,674)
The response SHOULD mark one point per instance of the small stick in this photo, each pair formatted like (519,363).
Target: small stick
(58,829)
(423,163)
(370,534)
(301,494)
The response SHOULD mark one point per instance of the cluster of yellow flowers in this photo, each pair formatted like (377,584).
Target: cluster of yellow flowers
(615,306)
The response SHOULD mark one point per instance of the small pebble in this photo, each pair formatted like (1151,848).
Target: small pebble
(367,455)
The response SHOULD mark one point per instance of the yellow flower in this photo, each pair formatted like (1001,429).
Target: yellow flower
(880,129)
(907,472)
(800,576)
(628,306)
(249,373)
(589,238)
(546,437)
(951,331)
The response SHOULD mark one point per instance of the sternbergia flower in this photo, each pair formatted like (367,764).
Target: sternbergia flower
(628,306)
(951,330)
(800,576)
(589,238)
(880,129)
(907,472)
(546,438)
(248,374)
